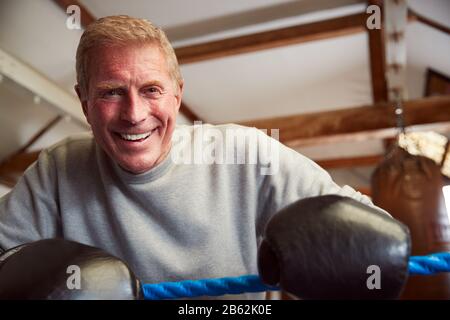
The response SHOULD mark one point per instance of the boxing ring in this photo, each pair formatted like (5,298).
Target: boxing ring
(417,265)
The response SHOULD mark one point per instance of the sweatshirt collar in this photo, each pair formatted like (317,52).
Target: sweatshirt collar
(151,175)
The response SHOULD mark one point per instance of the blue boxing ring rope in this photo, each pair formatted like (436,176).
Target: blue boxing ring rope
(418,265)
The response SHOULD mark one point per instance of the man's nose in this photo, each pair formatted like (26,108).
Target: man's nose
(134,110)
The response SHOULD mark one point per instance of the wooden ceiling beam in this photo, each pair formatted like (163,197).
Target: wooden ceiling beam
(364,190)
(363,121)
(388,133)
(188,113)
(12,168)
(39,134)
(320,30)
(340,163)
(431,23)
(377,59)
(86,16)
(252,16)
(271,39)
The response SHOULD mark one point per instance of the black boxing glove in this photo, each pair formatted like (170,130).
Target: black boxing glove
(46,269)
(321,248)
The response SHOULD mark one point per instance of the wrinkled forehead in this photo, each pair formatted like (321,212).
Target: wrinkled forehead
(126,61)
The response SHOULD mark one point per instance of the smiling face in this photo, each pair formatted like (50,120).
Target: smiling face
(131,104)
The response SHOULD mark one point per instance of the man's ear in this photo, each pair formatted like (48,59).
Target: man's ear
(83,100)
(179,96)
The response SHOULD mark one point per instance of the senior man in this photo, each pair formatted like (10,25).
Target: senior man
(119,189)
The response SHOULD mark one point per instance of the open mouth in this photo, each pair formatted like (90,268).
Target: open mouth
(135,137)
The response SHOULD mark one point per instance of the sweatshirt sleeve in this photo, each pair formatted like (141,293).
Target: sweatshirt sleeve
(29,212)
(293,177)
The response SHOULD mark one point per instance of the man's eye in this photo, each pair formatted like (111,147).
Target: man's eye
(112,93)
(153,92)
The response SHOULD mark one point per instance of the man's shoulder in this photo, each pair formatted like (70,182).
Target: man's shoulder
(209,129)
(74,151)
(229,136)
(74,142)
(75,146)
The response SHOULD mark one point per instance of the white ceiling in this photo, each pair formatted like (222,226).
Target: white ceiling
(35,32)
(169,13)
(321,75)
(281,81)
(188,22)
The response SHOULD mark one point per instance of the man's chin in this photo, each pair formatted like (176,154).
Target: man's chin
(138,164)
(135,167)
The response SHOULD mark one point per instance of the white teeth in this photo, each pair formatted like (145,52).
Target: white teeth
(133,137)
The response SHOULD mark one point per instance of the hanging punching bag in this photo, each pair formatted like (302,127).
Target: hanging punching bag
(409,187)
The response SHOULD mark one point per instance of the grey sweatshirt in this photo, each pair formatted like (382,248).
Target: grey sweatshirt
(180,220)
